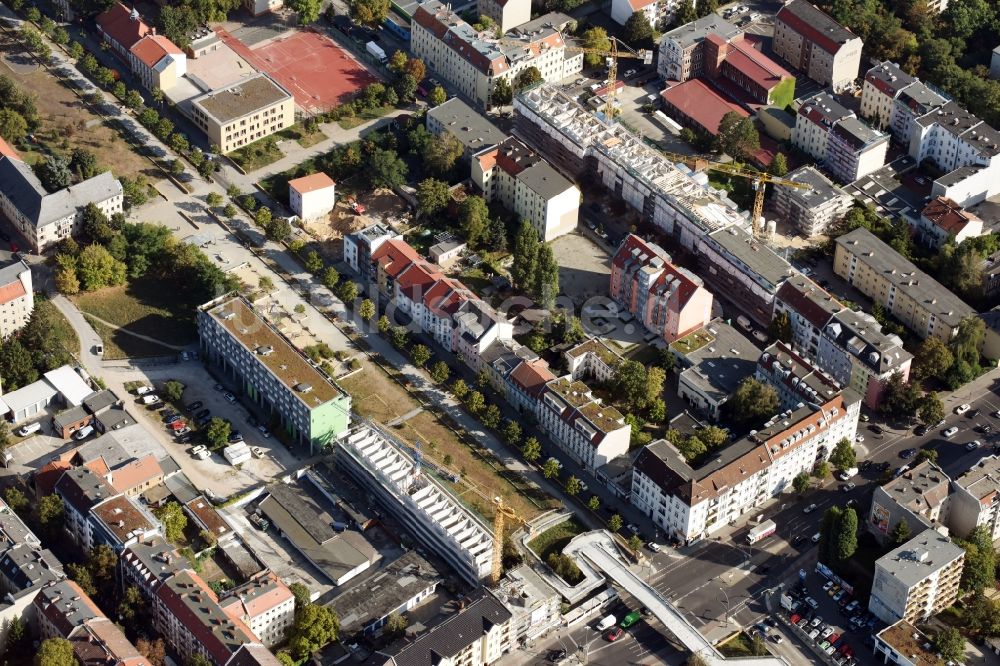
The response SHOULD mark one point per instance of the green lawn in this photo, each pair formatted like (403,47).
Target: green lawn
(143,308)
(554,539)
(258,154)
(693,341)
(739,646)
(363,117)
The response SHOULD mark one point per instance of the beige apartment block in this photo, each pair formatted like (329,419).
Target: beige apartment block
(243,112)
(815,44)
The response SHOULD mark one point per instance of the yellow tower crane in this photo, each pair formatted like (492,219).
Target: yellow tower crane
(759,180)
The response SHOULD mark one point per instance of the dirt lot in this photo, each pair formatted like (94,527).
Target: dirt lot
(66,124)
(381,205)
(584,268)
(377,397)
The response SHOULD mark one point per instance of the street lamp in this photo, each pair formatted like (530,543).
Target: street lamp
(728,607)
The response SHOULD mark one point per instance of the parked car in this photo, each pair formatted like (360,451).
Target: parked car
(192,406)
(183,431)
(950,432)
(202,413)
(264,431)
(29,429)
(973,445)
(920,431)
(809,509)
(143,390)
(614,634)
(907,453)
(633,528)
(172,419)
(83,433)
(203,420)
(235,436)
(178,425)
(230,398)
(963,408)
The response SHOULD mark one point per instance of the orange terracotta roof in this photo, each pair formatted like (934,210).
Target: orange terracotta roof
(118,25)
(47,476)
(12,291)
(394,256)
(151,49)
(532,376)
(7,150)
(311,183)
(135,473)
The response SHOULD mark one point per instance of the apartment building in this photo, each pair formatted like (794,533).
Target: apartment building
(795,379)
(943,219)
(681,53)
(473,62)
(265,604)
(17,299)
(388,261)
(854,150)
(592,359)
(903,644)
(272,373)
(737,68)
(672,199)
(580,425)
(914,101)
(735,263)
(816,45)
(918,579)
(962,146)
(385,467)
(519,179)
(358,247)
(669,300)
(187,614)
(657,12)
(919,496)
(849,346)
(923,304)
(477,635)
(975,499)
(690,504)
(121,28)
(243,112)
(118,522)
(157,61)
(812,211)
(505,14)
(472,129)
(312,197)
(882,85)
(80,490)
(712,362)
(44,219)
(526,383)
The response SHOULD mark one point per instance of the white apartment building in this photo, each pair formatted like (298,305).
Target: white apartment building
(657,12)
(812,42)
(385,468)
(691,504)
(811,210)
(918,579)
(854,150)
(578,423)
(518,178)
(881,87)
(243,112)
(506,14)
(914,101)
(158,62)
(358,247)
(472,61)
(17,300)
(964,147)
(975,499)
(794,378)
(815,119)
(312,197)
(261,7)
(943,219)
(265,604)
(679,57)
(592,359)
(45,219)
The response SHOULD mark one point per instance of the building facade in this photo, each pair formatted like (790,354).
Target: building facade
(670,301)
(681,53)
(590,432)
(505,14)
(358,247)
(519,179)
(243,112)
(918,579)
(312,197)
(812,42)
(473,62)
(943,219)
(918,496)
(854,150)
(975,500)
(265,604)
(882,85)
(814,209)
(158,62)
(17,299)
(272,373)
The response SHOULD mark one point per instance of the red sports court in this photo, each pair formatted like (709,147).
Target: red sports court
(318,73)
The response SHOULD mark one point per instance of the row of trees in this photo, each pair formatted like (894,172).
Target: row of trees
(534,269)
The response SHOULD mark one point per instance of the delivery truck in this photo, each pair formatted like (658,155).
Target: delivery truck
(376,50)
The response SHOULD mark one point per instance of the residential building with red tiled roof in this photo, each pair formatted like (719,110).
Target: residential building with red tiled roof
(696,103)
(188,615)
(121,28)
(521,180)
(119,522)
(942,219)
(157,61)
(265,604)
(816,45)
(669,300)
(526,383)
(313,196)
(17,298)
(102,643)
(81,489)
(137,476)
(389,260)
(473,61)
(208,519)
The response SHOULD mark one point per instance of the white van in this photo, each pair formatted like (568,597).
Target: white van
(607,623)
(150,399)
(29,429)
(816,537)
(83,433)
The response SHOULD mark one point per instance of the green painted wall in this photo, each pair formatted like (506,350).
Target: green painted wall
(328,421)
(783,93)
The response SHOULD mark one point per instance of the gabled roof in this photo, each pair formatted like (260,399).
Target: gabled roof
(947,215)
(81,488)
(122,25)
(815,25)
(808,300)
(66,606)
(135,474)
(532,376)
(151,49)
(394,256)
(26,193)
(754,65)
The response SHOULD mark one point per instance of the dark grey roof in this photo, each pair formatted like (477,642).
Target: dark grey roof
(26,193)
(858,134)
(695,31)
(70,416)
(958,121)
(483,612)
(821,22)
(958,175)
(822,189)
(719,366)
(467,125)
(890,76)
(300,509)
(241,98)
(385,591)
(25,567)
(99,400)
(920,557)
(920,98)
(544,180)
(931,294)
(826,107)
(11,272)
(114,418)
(753,256)
(82,489)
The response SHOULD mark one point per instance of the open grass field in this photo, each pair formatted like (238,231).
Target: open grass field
(67,123)
(554,539)
(377,397)
(141,308)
